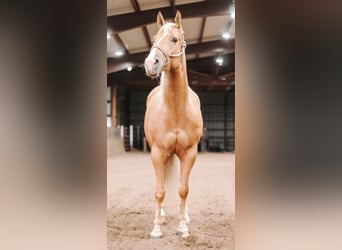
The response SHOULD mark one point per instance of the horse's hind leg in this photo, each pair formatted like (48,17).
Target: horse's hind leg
(159,161)
(187,161)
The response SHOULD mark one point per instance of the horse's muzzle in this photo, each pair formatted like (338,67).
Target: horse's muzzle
(153,66)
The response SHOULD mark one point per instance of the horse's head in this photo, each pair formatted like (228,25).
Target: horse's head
(168,47)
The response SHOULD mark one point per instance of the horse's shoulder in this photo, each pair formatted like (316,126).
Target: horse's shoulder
(195,97)
(152,93)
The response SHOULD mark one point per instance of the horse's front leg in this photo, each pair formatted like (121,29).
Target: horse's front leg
(159,160)
(187,162)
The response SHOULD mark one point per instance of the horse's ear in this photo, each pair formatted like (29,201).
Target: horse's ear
(178,19)
(160,19)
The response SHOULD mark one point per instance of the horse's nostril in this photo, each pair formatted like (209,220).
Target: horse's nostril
(156,60)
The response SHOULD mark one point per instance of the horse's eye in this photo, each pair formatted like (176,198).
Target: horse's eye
(175,39)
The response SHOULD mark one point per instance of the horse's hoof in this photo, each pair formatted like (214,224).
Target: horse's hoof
(183,234)
(154,237)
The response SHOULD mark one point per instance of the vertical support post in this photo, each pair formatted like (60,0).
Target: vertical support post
(138,137)
(225,121)
(114,101)
(131,136)
(122,131)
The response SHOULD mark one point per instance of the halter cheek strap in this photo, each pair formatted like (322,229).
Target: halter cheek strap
(163,52)
(166,66)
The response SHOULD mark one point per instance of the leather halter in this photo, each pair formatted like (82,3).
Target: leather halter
(166,66)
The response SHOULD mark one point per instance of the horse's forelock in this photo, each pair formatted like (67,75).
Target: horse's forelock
(168,26)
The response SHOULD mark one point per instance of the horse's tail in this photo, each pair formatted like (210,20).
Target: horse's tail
(172,179)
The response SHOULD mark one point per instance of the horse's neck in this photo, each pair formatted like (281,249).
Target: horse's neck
(174,85)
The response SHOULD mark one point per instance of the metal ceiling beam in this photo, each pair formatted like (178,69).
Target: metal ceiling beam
(208,65)
(119,23)
(139,79)
(136,7)
(196,74)
(117,64)
(204,19)
(121,43)
(202,29)
(173,6)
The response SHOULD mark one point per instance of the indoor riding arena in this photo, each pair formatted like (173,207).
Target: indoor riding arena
(209,53)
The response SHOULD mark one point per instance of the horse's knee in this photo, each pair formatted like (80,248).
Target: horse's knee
(183,191)
(160,195)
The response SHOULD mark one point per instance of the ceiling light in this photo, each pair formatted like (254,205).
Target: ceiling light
(129,68)
(119,53)
(108,35)
(219,60)
(226,35)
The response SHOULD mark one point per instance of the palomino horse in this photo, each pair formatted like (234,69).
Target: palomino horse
(173,119)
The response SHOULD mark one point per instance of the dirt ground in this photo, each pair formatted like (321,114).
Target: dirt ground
(130,206)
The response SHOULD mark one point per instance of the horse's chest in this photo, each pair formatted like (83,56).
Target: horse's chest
(172,121)
(173,128)
(176,132)
(172,140)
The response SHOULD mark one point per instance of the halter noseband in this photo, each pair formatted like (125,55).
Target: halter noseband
(166,65)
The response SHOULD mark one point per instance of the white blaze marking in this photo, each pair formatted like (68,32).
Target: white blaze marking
(168,27)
